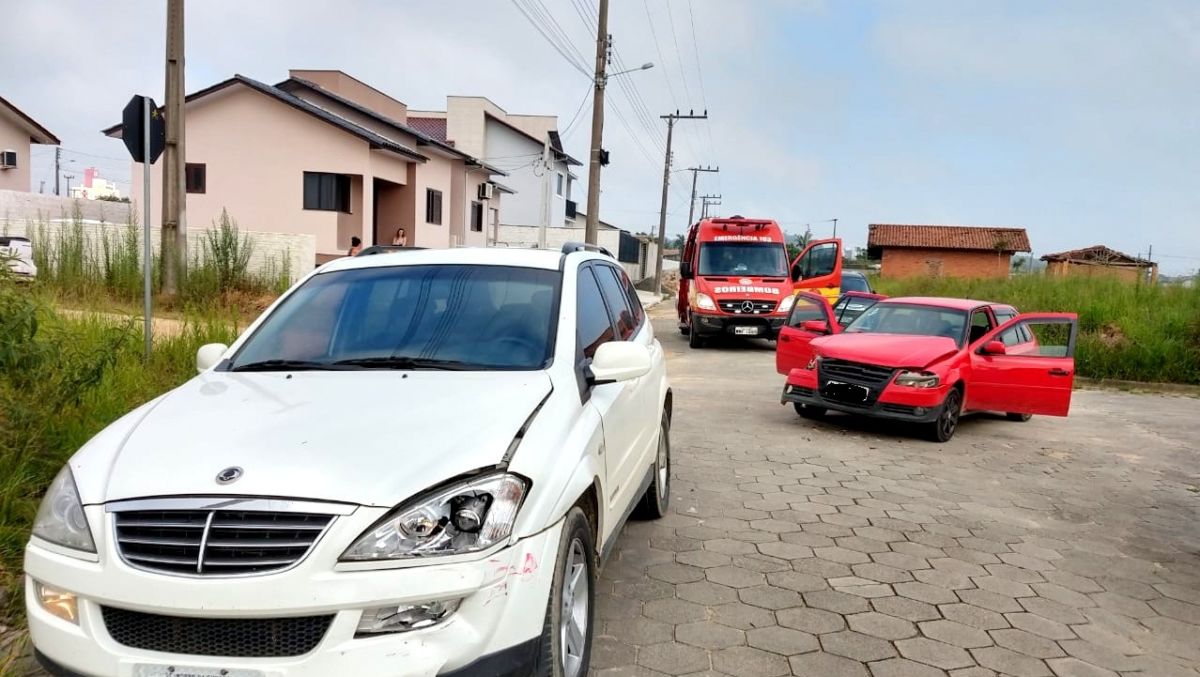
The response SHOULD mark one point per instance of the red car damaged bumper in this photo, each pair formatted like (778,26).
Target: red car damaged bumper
(901,403)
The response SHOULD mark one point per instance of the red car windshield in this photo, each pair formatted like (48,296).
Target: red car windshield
(904,318)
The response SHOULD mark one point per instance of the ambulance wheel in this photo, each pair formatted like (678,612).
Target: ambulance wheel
(694,340)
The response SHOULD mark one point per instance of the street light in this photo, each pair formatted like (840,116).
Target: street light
(644,67)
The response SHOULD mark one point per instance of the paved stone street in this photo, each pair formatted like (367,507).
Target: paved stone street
(1066,547)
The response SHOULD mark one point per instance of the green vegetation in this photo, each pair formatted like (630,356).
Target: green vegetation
(82,264)
(62,379)
(1127,331)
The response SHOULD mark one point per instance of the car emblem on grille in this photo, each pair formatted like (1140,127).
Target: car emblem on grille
(747,306)
(229,475)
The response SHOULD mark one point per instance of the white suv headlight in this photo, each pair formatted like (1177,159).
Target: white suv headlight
(60,519)
(464,517)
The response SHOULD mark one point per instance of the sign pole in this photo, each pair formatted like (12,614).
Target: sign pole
(147,267)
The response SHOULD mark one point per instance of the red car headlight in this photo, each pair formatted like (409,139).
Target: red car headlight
(917,379)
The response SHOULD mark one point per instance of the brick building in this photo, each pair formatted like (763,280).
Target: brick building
(944,251)
(1100,261)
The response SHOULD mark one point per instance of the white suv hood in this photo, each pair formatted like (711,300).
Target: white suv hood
(363,437)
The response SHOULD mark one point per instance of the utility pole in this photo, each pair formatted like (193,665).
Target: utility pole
(57,160)
(544,216)
(68,177)
(705,201)
(662,212)
(592,225)
(692,204)
(835,228)
(174,223)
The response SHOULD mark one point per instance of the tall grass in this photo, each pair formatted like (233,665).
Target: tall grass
(62,379)
(80,262)
(1127,331)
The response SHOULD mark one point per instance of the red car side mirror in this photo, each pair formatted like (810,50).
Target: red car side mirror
(815,326)
(995,348)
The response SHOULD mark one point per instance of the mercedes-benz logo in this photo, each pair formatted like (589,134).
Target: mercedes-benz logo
(747,306)
(229,475)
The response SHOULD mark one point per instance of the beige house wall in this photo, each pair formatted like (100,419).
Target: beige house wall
(256,150)
(16,138)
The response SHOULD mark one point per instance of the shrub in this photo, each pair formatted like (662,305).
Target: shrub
(62,379)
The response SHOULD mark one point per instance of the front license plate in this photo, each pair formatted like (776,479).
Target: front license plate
(846,392)
(186,671)
(747,331)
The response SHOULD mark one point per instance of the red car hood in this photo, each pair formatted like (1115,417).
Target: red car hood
(885,350)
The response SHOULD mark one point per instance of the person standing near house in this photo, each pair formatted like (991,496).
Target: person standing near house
(355,246)
(400,239)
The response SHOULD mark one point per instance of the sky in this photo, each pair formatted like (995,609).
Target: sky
(1078,120)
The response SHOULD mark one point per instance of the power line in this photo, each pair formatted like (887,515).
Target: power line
(553,42)
(700,77)
(583,102)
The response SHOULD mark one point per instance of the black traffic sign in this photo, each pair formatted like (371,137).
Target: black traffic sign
(133,132)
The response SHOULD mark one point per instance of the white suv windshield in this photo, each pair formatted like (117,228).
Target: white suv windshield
(410,317)
(901,318)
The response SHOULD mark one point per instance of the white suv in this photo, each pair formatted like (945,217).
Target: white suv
(411,464)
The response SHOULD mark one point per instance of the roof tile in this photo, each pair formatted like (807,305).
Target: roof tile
(948,237)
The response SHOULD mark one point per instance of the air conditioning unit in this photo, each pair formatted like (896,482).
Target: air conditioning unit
(8,159)
(486,191)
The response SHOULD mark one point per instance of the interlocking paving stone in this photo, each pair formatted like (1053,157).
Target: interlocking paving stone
(882,626)
(1026,643)
(989,600)
(1009,662)
(780,640)
(814,621)
(935,653)
(826,665)
(955,633)
(672,658)
(1040,626)
(744,661)
(782,532)
(1073,667)
(924,592)
(742,616)
(709,635)
(902,667)
(856,645)
(837,602)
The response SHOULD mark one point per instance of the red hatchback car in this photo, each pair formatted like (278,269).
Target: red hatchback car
(927,360)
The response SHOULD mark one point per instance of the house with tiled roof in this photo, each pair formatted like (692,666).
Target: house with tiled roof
(18,133)
(907,250)
(528,147)
(324,154)
(1100,261)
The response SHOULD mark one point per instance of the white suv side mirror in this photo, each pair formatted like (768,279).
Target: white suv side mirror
(209,355)
(619,361)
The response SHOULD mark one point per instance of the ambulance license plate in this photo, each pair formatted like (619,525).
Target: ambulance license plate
(747,331)
(144,670)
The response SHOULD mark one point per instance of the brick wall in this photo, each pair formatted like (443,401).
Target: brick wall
(905,262)
(1123,273)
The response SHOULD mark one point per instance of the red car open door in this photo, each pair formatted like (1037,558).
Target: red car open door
(792,349)
(1025,366)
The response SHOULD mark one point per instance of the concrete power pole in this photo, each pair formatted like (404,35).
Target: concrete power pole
(706,201)
(57,161)
(174,222)
(662,212)
(592,225)
(692,204)
(544,216)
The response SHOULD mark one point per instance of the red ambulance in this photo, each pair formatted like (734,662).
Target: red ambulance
(735,278)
